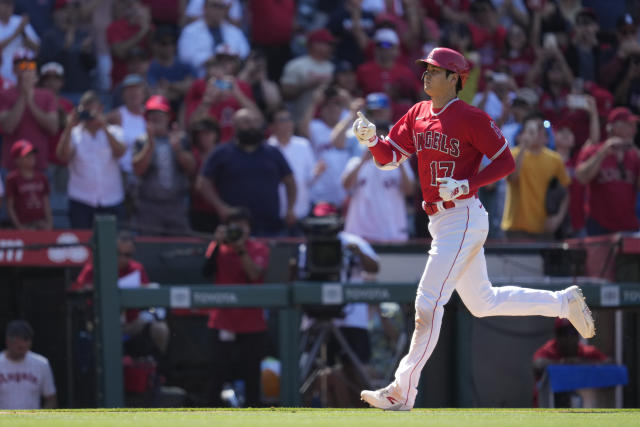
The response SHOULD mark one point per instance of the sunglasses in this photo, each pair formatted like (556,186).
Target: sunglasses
(26,65)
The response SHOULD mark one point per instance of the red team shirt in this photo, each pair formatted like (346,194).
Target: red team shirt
(610,188)
(449,142)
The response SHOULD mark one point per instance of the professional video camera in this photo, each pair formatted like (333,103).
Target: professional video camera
(322,251)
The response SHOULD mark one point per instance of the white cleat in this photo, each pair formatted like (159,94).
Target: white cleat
(384,398)
(579,314)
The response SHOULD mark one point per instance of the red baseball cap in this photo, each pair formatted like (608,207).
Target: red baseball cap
(59,4)
(622,114)
(158,103)
(21,148)
(321,35)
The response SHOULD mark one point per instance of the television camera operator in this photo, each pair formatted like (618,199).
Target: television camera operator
(238,335)
(332,255)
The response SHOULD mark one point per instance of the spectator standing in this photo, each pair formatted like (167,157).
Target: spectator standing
(265,91)
(248,173)
(28,191)
(163,163)
(585,54)
(145,331)
(92,149)
(238,335)
(167,75)
(199,40)
(352,27)
(220,94)
(487,35)
(28,379)
(271,24)
(332,141)
(27,112)
(132,29)
(385,74)
(71,45)
(304,74)
(15,33)
(299,154)
(611,170)
(195,10)
(130,116)
(525,213)
(205,135)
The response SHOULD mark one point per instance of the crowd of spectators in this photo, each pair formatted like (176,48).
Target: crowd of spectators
(173,114)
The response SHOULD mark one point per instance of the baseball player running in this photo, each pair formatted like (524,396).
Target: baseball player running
(450,137)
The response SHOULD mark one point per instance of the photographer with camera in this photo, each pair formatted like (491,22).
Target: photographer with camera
(238,335)
(92,149)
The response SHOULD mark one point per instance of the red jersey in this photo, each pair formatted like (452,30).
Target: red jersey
(28,196)
(399,80)
(85,281)
(449,142)
(221,111)
(615,185)
(229,271)
(28,127)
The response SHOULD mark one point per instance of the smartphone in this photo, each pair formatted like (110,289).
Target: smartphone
(550,41)
(500,77)
(577,102)
(222,84)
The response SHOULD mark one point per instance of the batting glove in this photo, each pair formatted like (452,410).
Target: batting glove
(450,188)
(365,131)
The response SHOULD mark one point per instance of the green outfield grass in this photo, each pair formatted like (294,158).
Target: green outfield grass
(285,417)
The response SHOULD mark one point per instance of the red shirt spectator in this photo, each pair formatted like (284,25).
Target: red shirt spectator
(222,111)
(85,278)
(550,351)
(28,127)
(124,34)
(612,191)
(28,196)
(229,271)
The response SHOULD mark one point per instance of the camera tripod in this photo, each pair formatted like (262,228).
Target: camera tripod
(319,335)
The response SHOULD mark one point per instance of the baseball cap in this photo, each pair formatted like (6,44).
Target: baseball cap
(622,114)
(59,4)
(323,209)
(19,329)
(377,101)
(157,103)
(52,68)
(226,50)
(386,38)
(132,80)
(321,35)
(21,148)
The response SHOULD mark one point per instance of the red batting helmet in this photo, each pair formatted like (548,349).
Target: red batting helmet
(448,59)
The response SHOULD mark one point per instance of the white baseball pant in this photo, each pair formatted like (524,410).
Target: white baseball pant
(456,261)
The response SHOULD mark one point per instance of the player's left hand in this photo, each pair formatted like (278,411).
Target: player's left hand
(450,188)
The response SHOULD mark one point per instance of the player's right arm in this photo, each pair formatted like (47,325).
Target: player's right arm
(391,151)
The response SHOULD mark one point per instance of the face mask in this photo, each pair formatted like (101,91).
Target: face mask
(250,137)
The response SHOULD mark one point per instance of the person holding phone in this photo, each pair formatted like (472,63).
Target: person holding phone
(91,148)
(611,169)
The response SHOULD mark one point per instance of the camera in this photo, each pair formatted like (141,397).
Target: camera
(233,233)
(85,115)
